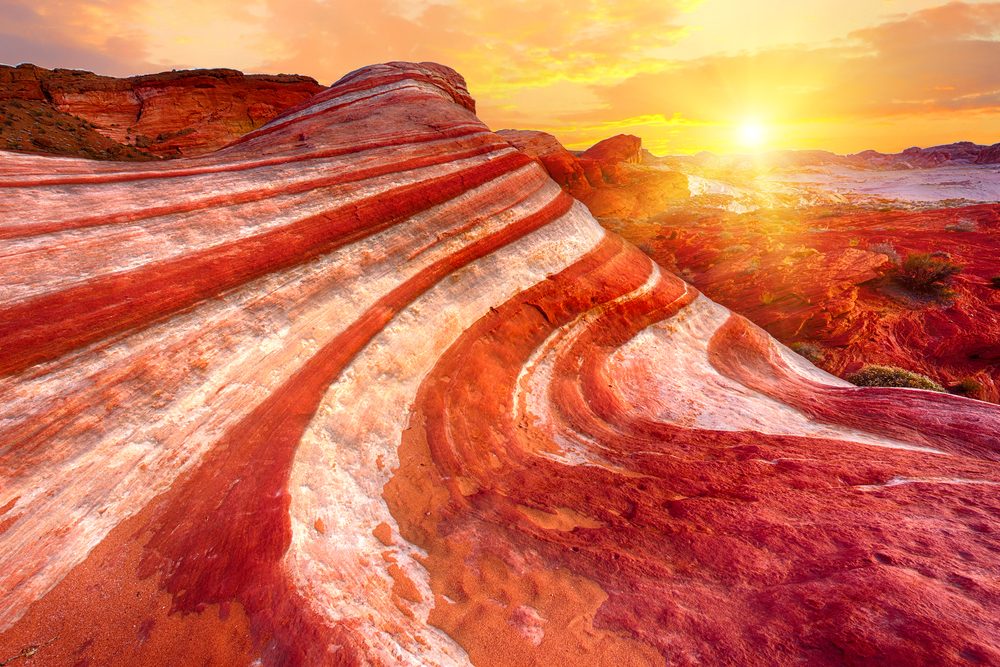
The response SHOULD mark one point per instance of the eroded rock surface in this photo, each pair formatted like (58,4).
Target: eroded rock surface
(367,387)
(825,277)
(170,114)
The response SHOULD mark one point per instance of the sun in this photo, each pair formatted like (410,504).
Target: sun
(752,134)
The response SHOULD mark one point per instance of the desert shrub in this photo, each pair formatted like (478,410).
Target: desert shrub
(963,225)
(888,250)
(753,266)
(970,387)
(926,273)
(810,351)
(801,251)
(892,376)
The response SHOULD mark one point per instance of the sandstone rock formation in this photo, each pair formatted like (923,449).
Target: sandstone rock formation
(564,167)
(605,177)
(367,387)
(823,276)
(617,149)
(163,115)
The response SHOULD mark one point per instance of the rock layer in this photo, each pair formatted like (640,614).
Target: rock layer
(368,387)
(824,277)
(163,115)
(606,177)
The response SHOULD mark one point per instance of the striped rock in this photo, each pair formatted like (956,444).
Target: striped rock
(366,387)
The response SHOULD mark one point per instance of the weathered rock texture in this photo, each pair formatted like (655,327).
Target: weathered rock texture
(369,387)
(564,167)
(826,277)
(170,114)
(607,177)
(956,154)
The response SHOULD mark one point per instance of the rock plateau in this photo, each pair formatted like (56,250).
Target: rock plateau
(171,114)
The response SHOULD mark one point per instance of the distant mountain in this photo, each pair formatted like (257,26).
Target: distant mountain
(962,152)
(959,153)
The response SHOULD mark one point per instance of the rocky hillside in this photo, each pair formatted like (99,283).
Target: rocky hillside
(823,276)
(956,154)
(368,387)
(831,282)
(70,112)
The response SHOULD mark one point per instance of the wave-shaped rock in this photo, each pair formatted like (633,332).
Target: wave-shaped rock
(368,387)
(826,278)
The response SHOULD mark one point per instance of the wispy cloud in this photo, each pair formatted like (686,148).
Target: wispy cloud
(842,74)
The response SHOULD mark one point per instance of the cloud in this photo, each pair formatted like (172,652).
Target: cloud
(79,34)
(580,69)
(500,46)
(939,60)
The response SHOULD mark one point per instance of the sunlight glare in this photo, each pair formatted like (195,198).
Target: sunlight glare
(752,134)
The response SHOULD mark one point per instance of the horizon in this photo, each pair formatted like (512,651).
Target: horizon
(686,76)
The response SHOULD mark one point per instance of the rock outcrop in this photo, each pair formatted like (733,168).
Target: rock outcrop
(367,387)
(824,277)
(161,115)
(607,177)
(621,148)
(564,167)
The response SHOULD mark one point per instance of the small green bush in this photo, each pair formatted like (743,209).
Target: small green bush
(926,273)
(970,387)
(963,225)
(891,376)
(810,351)
(888,250)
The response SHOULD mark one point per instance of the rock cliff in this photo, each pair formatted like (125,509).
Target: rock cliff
(170,114)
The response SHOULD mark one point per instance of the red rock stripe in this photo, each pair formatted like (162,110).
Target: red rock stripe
(24,231)
(663,536)
(342,88)
(50,326)
(278,125)
(353,148)
(247,525)
(599,277)
(958,425)
(58,419)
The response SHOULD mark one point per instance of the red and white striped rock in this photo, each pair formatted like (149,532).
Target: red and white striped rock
(368,387)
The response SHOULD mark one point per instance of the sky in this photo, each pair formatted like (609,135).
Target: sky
(685,75)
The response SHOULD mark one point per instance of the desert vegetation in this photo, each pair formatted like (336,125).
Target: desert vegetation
(927,273)
(963,225)
(888,250)
(811,351)
(892,376)
(969,386)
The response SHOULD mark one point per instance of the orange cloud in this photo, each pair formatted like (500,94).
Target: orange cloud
(929,76)
(682,74)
